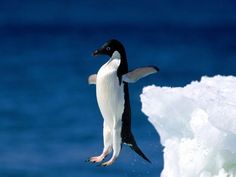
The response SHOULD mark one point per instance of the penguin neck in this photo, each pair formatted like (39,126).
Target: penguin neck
(121,56)
(123,68)
(115,55)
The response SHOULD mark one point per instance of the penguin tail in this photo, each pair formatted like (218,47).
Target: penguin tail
(139,152)
(132,144)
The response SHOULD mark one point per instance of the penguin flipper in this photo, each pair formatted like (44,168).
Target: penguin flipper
(92,79)
(138,73)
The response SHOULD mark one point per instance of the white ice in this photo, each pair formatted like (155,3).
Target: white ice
(197,126)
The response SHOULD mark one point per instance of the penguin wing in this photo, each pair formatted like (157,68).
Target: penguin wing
(92,79)
(138,73)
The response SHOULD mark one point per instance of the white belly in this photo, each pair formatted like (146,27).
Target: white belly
(110,94)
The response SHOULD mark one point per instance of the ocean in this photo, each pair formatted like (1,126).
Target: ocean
(50,123)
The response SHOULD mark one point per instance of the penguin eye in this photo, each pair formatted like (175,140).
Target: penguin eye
(108,48)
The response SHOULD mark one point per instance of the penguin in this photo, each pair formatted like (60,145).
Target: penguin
(112,94)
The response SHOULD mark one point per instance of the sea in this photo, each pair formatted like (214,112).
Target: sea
(50,122)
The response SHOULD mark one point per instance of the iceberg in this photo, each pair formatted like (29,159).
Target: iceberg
(197,126)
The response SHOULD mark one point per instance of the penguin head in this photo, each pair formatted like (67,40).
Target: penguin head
(109,48)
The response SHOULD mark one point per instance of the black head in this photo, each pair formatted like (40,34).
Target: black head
(109,48)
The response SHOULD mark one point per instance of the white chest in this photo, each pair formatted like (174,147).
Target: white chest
(110,94)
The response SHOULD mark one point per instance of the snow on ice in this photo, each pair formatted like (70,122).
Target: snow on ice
(197,126)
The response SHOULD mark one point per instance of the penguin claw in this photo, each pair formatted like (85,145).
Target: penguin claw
(99,165)
(95,159)
(89,160)
(105,164)
(108,163)
(102,165)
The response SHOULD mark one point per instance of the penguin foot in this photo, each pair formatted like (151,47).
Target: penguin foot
(101,157)
(110,162)
(96,159)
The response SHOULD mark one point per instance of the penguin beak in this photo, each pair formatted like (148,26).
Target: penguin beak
(96,53)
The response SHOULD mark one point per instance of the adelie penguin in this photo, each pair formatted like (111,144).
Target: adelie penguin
(113,100)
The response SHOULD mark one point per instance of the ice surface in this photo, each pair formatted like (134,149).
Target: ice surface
(197,126)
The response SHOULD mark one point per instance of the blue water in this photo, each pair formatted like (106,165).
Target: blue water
(49,119)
